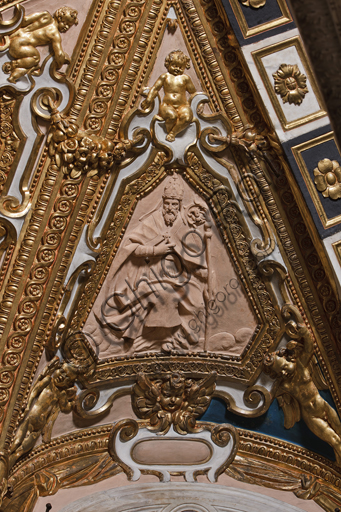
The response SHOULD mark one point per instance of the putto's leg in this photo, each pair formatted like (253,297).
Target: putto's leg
(170,116)
(20,436)
(185,117)
(21,66)
(333,419)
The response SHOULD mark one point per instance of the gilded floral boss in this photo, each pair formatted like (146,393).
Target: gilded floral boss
(253,3)
(290,84)
(328,178)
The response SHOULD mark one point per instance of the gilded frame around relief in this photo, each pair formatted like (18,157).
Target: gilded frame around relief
(253,31)
(263,52)
(297,152)
(246,367)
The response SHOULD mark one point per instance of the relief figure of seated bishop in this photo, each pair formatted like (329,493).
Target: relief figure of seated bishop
(160,281)
(38,29)
(175,108)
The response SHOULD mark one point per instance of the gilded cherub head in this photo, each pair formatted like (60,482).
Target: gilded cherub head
(66,17)
(281,363)
(172,400)
(176,62)
(172,393)
(66,375)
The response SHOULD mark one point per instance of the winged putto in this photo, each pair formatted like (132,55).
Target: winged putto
(297,381)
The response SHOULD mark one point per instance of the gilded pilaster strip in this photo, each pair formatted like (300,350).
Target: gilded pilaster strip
(80,55)
(37,282)
(115,116)
(212,64)
(232,58)
(9,139)
(114,66)
(94,59)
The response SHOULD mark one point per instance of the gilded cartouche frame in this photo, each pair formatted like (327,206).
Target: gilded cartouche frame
(297,152)
(253,31)
(258,55)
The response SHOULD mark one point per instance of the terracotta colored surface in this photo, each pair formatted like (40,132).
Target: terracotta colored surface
(164,451)
(226,321)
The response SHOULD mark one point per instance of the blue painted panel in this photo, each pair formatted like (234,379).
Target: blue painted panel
(311,158)
(269,12)
(272,424)
(256,18)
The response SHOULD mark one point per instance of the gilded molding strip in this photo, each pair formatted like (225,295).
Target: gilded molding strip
(95,56)
(58,271)
(119,102)
(252,31)
(6,4)
(10,142)
(201,38)
(114,67)
(21,330)
(269,50)
(239,82)
(94,14)
(315,195)
(337,248)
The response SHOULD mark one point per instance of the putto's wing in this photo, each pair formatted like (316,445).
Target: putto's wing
(199,394)
(291,409)
(317,375)
(145,395)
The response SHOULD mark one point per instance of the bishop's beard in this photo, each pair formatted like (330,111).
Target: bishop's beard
(169,216)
